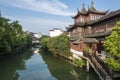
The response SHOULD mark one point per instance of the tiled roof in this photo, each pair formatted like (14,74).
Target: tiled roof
(80,24)
(90,40)
(92,9)
(110,15)
(98,34)
(86,40)
(78,13)
(83,10)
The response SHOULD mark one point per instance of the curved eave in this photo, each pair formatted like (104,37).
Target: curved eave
(74,17)
(98,12)
(80,24)
(95,11)
(110,15)
(83,13)
(69,28)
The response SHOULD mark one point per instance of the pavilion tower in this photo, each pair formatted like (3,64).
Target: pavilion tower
(92,14)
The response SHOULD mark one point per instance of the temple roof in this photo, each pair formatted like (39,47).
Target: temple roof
(80,24)
(83,10)
(108,16)
(92,9)
(86,40)
(78,13)
(90,40)
(100,34)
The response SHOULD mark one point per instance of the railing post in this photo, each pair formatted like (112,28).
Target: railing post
(87,66)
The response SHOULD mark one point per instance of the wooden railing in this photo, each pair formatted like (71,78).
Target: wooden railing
(104,65)
(98,66)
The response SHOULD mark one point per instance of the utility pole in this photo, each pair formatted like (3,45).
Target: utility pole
(0,14)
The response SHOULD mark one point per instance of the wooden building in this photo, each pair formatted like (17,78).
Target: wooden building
(91,27)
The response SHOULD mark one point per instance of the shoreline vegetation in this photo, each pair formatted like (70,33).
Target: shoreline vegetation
(12,37)
(112,47)
(60,46)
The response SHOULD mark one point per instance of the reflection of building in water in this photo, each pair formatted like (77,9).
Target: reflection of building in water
(75,74)
(36,50)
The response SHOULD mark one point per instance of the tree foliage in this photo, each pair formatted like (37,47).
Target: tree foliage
(112,46)
(60,45)
(44,41)
(11,36)
(79,62)
(57,45)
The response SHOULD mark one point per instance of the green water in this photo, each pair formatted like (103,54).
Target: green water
(33,65)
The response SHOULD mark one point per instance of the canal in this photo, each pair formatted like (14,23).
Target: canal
(34,65)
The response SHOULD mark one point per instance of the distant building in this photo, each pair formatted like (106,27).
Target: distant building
(55,32)
(37,35)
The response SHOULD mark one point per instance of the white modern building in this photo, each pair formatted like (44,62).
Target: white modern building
(55,32)
(37,35)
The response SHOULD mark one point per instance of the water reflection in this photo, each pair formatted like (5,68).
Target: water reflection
(36,69)
(36,50)
(62,70)
(10,64)
(32,65)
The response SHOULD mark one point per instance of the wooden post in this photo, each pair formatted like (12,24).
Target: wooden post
(87,66)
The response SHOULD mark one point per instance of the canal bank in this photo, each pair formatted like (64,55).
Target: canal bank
(31,65)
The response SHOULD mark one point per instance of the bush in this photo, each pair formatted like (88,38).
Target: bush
(57,45)
(44,41)
(86,49)
(112,46)
(60,45)
(113,64)
(79,63)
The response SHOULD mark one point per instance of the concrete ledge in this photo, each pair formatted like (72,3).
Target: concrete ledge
(76,52)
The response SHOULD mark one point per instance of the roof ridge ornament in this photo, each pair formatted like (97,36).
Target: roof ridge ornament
(83,5)
(92,3)
(83,10)
(77,9)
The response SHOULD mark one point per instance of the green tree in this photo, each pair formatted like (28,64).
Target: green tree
(112,46)
(44,42)
(11,36)
(57,45)
(4,44)
(60,45)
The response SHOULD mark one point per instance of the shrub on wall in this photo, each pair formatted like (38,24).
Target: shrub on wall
(79,63)
(112,46)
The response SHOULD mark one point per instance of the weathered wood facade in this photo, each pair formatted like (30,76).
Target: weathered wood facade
(89,24)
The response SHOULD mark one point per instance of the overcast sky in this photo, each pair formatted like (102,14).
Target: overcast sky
(43,15)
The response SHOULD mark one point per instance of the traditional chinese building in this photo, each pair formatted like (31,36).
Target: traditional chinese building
(90,28)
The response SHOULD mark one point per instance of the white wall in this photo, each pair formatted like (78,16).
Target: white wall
(54,33)
(76,52)
(37,35)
